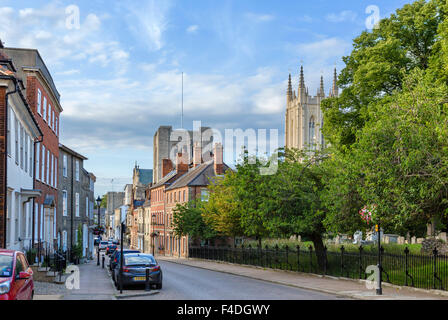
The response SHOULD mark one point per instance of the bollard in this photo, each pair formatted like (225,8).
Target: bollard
(98,256)
(147,284)
(104,258)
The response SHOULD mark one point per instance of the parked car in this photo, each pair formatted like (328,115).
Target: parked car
(111,249)
(16,276)
(103,245)
(114,260)
(134,270)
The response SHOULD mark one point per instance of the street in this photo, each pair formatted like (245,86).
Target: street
(189,283)
(181,282)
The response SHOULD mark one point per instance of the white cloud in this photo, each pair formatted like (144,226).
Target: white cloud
(68,72)
(257,17)
(45,29)
(343,16)
(192,29)
(148,21)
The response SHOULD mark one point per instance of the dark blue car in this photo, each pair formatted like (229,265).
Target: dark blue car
(115,258)
(134,270)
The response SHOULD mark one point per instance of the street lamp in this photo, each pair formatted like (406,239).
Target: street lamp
(98,202)
(379,289)
(153,233)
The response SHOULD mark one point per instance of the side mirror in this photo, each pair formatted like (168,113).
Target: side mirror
(24,276)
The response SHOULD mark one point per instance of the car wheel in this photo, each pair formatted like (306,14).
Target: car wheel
(159,286)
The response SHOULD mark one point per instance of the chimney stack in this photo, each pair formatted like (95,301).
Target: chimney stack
(197,155)
(218,159)
(182,163)
(167,167)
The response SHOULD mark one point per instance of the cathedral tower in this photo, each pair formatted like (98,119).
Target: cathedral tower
(304,118)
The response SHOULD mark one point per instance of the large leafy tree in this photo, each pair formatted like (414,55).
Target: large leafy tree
(406,40)
(294,204)
(400,158)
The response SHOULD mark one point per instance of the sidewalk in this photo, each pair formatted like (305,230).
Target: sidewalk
(353,289)
(94,284)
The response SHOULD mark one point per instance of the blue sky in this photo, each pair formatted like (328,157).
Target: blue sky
(119,73)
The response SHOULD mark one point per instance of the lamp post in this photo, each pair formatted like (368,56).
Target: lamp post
(379,290)
(98,202)
(153,233)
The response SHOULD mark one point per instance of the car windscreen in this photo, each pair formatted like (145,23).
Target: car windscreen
(6,265)
(131,260)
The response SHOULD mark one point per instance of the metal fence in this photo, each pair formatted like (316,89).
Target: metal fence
(427,271)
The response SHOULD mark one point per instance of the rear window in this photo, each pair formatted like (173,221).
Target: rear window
(131,260)
(6,265)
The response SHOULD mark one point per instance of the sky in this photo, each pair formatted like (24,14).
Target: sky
(118,65)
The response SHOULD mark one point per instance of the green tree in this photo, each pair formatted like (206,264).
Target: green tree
(222,211)
(400,158)
(294,203)
(188,220)
(408,39)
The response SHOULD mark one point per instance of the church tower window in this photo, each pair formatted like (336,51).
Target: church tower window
(312,134)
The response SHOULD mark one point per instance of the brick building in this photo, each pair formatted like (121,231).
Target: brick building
(44,101)
(185,182)
(190,186)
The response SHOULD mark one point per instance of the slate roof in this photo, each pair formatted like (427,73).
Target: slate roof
(198,176)
(165,180)
(145,176)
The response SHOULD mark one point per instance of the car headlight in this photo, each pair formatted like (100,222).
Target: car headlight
(4,287)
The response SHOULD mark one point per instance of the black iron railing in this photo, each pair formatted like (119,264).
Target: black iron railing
(427,271)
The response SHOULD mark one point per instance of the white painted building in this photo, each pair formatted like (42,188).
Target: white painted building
(22,133)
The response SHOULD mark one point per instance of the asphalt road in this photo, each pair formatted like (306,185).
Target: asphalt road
(182,282)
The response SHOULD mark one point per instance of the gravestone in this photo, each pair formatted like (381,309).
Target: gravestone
(413,240)
(357,236)
(442,236)
(429,244)
(401,240)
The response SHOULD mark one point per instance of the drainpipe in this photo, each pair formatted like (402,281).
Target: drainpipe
(71,213)
(33,235)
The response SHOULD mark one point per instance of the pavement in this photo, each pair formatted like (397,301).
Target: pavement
(340,287)
(195,279)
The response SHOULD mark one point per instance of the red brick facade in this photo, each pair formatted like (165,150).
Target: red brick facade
(50,129)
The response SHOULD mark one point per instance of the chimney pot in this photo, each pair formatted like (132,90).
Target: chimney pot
(197,155)
(218,159)
(182,164)
(167,167)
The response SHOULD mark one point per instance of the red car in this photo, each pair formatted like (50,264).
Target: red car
(16,276)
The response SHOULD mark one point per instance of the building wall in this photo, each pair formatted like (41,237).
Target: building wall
(71,221)
(20,175)
(50,144)
(114,200)
(3,185)
(158,222)
(176,246)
